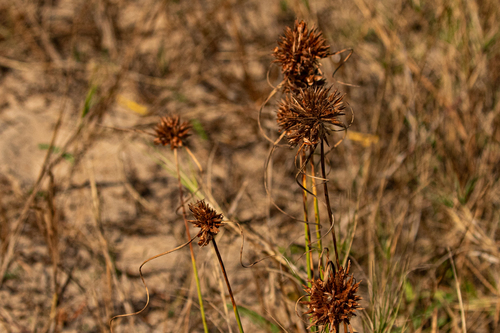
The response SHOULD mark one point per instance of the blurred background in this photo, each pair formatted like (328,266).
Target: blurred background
(85,197)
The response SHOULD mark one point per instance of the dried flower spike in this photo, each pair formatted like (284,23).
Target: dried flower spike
(207,219)
(305,117)
(334,300)
(298,52)
(170,131)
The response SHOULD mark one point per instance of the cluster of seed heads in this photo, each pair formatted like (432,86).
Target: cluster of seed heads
(309,107)
(170,131)
(307,114)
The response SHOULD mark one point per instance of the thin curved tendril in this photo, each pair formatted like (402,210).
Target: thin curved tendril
(268,192)
(241,250)
(324,235)
(302,168)
(271,94)
(262,259)
(297,312)
(267,76)
(344,61)
(270,256)
(320,259)
(345,132)
(144,282)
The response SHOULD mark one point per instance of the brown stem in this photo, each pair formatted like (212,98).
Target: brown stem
(316,213)
(235,308)
(327,199)
(310,268)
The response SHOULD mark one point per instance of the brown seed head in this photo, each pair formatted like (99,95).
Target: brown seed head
(305,117)
(207,219)
(333,301)
(170,131)
(298,52)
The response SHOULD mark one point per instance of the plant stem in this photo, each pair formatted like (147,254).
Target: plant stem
(193,260)
(316,212)
(307,231)
(327,199)
(235,308)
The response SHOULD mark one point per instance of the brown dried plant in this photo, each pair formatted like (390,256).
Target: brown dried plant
(306,116)
(298,52)
(170,131)
(333,301)
(207,219)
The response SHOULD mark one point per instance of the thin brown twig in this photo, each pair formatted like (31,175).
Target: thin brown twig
(235,307)
(327,199)
(310,266)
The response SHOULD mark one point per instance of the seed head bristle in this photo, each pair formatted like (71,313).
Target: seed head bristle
(170,131)
(304,116)
(298,52)
(207,219)
(334,300)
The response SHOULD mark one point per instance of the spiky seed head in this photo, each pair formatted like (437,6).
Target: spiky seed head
(333,300)
(170,131)
(298,52)
(306,117)
(207,219)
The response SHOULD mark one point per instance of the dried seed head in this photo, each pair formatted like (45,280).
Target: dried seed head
(333,301)
(305,116)
(298,52)
(170,131)
(207,219)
